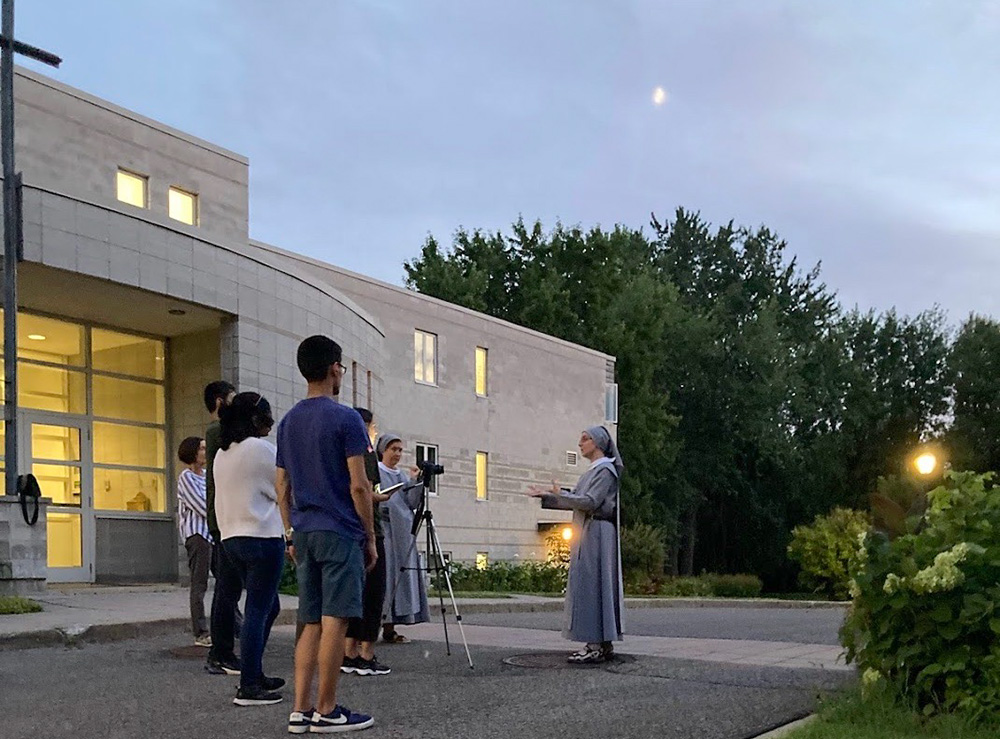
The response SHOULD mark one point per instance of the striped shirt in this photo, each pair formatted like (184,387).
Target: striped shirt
(191,514)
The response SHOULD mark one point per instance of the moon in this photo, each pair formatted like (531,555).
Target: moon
(659,96)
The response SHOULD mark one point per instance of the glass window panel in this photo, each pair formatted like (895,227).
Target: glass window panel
(131,188)
(480,371)
(126,354)
(182,206)
(3,436)
(129,490)
(61,443)
(49,340)
(132,446)
(58,481)
(51,389)
(482,491)
(65,539)
(418,356)
(430,375)
(128,400)
(428,453)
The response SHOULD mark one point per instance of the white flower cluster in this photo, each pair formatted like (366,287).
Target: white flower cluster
(853,589)
(940,577)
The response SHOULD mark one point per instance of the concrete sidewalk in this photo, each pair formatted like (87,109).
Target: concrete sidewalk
(100,613)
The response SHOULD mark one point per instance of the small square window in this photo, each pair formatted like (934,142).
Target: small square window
(182,206)
(428,453)
(131,188)
(482,486)
(482,560)
(482,370)
(424,357)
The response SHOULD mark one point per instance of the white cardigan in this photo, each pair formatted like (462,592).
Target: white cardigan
(246,502)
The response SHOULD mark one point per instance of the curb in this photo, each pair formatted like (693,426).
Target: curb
(786,729)
(103,633)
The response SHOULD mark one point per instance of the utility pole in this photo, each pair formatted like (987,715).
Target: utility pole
(11,230)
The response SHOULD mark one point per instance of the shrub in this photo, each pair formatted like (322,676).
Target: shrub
(15,604)
(643,550)
(827,551)
(735,586)
(926,611)
(509,577)
(687,587)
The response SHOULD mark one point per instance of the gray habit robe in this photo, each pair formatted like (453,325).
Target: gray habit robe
(595,596)
(405,592)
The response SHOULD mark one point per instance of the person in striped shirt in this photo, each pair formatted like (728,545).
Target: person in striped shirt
(192,519)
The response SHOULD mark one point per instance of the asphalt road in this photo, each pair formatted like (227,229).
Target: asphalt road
(808,626)
(139,689)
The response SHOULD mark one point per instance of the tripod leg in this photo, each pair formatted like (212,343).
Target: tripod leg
(432,534)
(434,550)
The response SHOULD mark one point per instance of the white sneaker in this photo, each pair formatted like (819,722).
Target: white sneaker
(204,641)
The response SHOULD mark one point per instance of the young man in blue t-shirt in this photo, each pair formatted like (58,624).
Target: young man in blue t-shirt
(326,504)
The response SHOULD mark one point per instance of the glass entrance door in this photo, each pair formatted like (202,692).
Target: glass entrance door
(58,452)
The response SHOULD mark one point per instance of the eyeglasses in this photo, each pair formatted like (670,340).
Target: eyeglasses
(343,369)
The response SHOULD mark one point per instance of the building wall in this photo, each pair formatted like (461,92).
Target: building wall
(542,392)
(72,141)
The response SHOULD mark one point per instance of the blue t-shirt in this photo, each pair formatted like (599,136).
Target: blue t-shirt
(315,439)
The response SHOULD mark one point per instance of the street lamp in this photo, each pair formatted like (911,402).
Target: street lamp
(926,463)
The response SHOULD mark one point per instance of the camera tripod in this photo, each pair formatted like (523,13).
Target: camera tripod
(423,515)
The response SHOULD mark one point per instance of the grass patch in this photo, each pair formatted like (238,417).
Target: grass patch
(432,594)
(846,716)
(15,604)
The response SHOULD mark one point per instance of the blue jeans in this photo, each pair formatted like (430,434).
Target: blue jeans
(259,562)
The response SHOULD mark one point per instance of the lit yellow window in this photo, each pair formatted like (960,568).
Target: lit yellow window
(182,206)
(482,560)
(481,370)
(482,491)
(131,188)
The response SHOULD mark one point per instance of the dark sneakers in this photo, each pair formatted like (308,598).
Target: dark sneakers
(300,721)
(272,683)
(371,667)
(349,665)
(256,697)
(339,719)
(228,666)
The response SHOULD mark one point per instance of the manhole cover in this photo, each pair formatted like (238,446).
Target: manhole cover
(189,652)
(557,661)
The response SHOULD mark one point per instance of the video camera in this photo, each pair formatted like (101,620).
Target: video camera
(429,469)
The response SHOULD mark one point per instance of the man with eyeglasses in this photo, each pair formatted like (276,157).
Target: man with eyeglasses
(326,504)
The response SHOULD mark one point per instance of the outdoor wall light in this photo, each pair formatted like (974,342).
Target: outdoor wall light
(567,533)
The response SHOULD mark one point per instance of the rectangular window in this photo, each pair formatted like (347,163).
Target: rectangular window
(131,188)
(611,403)
(428,453)
(481,371)
(370,396)
(482,486)
(482,560)
(425,357)
(126,354)
(182,206)
(354,384)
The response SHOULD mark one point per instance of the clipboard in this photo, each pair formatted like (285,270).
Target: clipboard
(392,489)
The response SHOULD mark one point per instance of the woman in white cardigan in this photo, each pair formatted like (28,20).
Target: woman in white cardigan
(246,506)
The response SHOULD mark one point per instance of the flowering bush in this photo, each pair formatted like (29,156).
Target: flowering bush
(827,551)
(926,613)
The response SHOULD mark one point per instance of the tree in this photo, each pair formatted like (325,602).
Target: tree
(974,436)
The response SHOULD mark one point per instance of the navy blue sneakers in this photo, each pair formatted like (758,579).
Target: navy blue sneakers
(339,719)
(300,721)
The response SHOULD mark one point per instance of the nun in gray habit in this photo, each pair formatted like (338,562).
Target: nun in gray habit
(405,592)
(595,598)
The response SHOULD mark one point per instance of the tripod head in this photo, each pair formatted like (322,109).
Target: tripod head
(428,470)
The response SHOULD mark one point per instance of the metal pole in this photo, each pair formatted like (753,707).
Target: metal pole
(9,249)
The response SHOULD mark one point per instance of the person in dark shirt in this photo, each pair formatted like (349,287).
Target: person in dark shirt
(362,633)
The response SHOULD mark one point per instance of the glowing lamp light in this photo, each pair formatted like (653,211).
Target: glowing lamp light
(926,463)
(36,337)
(567,533)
